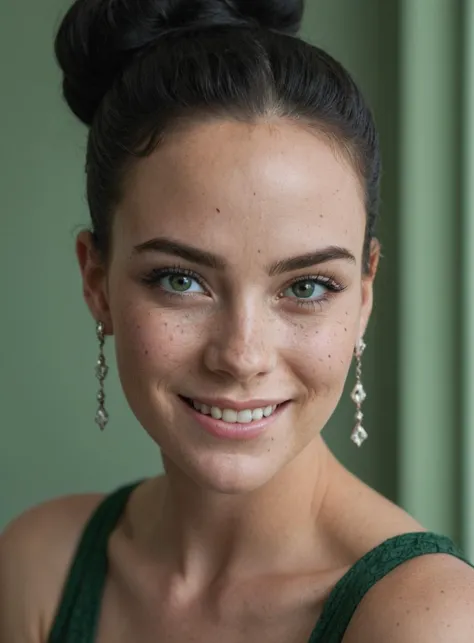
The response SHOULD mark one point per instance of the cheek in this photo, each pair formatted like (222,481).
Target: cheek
(323,352)
(152,341)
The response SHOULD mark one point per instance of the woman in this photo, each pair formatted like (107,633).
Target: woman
(232,178)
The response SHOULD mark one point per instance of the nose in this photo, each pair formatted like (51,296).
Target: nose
(242,346)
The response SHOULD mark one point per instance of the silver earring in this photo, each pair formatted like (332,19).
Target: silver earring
(359,434)
(101,370)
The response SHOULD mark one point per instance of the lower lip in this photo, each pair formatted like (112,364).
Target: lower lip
(234,431)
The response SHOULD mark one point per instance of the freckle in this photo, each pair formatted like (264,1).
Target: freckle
(146,352)
(329,356)
(398,624)
(408,611)
(345,330)
(442,591)
(255,194)
(428,609)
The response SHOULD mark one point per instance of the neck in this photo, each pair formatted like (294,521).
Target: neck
(201,534)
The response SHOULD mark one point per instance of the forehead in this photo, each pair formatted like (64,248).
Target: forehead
(232,183)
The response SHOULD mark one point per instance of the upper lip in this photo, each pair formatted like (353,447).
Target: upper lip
(225,403)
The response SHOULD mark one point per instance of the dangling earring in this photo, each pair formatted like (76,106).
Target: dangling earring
(101,370)
(359,434)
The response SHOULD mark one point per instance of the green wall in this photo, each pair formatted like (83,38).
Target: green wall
(49,442)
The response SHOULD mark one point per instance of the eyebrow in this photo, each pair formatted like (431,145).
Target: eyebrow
(210,260)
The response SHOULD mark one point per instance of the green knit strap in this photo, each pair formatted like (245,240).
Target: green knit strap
(78,614)
(366,572)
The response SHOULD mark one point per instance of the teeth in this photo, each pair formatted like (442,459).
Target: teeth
(244,417)
(216,413)
(229,415)
(233,416)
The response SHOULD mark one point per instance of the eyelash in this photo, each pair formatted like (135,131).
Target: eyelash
(328,281)
(153,277)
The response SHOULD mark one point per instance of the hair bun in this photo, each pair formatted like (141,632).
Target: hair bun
(97,38)
(279,15)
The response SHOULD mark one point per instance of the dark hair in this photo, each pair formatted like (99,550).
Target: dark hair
(133,69)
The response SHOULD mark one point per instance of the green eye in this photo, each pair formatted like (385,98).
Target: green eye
(306,289)
(180,283)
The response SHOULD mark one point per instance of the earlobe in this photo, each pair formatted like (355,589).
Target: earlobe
(94,279)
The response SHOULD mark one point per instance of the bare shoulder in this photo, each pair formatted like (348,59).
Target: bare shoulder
(429,599)
(36,550)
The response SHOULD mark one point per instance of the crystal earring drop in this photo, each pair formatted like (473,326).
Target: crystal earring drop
(359,434)
(101,370)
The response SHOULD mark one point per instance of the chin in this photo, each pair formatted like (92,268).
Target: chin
(230,474)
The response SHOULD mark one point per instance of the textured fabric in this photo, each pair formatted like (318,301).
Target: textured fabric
(78,614)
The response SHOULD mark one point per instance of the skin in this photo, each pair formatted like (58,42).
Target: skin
(240,540)
(254,195)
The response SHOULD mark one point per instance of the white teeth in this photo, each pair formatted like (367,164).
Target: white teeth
(233,416)
(229,415)
(244,417)
(216,413)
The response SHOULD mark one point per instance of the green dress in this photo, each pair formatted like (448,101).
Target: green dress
(78,613)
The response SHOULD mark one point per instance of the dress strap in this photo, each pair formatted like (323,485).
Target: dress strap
(78,613)
(366,572)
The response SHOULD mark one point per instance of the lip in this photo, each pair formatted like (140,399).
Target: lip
(233,431)
(226,403)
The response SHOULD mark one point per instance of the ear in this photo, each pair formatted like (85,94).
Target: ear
(368,286)
(94,280)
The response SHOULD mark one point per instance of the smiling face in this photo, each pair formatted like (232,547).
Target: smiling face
(235,280)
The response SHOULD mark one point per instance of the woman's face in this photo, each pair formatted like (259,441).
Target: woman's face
(235,280)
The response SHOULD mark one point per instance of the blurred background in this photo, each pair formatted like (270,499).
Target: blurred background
(415,61)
